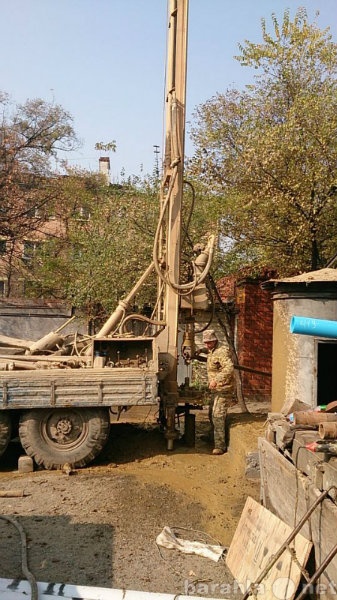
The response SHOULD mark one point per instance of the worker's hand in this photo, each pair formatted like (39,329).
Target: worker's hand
(212,385)
(198,355)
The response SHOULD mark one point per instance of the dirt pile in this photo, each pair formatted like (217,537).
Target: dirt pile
(98,526)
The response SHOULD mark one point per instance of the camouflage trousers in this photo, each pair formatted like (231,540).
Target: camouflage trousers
(217,413)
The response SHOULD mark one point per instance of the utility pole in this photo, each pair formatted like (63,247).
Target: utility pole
(156,160)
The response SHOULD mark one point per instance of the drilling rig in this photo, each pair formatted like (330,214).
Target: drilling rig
(61,390)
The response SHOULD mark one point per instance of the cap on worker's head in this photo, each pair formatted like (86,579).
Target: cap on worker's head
(209,336)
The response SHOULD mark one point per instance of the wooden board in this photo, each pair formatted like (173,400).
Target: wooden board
(288,493)
(306,461)
(258,537)
(330,477)
(283,435)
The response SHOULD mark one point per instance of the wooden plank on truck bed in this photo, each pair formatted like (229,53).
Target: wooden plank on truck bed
(329,476)
(321,469)
(281,477)
(105,387)
(259,535)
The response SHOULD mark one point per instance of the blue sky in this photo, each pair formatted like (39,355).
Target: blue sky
(104,62)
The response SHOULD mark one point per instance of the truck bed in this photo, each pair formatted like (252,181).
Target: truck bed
(78,387)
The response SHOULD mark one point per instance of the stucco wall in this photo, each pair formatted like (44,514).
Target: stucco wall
(294,365)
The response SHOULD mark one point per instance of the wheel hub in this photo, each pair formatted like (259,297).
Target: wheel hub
(63,430)
(64,426)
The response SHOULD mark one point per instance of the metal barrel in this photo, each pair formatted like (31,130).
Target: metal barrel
(317,327)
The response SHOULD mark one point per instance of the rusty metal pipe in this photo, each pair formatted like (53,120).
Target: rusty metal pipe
(327,431)
(310,417)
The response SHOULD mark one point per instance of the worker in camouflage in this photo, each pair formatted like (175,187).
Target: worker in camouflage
(220,372)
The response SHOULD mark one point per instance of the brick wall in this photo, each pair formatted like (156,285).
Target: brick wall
(253,334)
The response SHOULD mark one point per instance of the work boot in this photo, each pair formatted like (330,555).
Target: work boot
(219,451)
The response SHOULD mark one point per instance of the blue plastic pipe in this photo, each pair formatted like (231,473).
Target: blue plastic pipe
(317,327)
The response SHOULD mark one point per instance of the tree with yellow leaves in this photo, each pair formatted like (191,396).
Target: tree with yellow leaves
(270,150)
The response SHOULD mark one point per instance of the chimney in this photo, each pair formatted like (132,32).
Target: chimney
(104,168)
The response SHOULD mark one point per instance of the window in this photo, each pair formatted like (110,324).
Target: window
(3,246)
(2,287)
(82,213)
(29,250)
(33,212)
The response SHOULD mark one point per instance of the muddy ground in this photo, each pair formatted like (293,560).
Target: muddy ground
(98,526)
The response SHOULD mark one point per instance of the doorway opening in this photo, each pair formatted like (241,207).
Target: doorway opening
(326,372)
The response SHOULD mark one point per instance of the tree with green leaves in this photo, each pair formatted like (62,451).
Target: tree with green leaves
(105,242)
(270,151)
(103,246)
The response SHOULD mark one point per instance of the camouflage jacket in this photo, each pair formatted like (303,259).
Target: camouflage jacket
(220,369)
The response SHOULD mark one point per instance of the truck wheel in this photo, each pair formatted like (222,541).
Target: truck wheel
(5,431)
(55,437)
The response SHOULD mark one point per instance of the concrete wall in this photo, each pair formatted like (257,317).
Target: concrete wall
(31,322)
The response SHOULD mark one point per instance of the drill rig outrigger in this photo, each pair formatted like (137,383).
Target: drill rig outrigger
(63,401)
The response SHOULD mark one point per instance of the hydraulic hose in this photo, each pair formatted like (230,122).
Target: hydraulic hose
(24,563)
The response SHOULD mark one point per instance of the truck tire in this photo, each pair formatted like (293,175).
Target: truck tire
(5,431)
(72,436)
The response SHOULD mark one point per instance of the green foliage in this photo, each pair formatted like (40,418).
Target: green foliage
(88,242)
(270,151)
(104,246)
(106,241)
